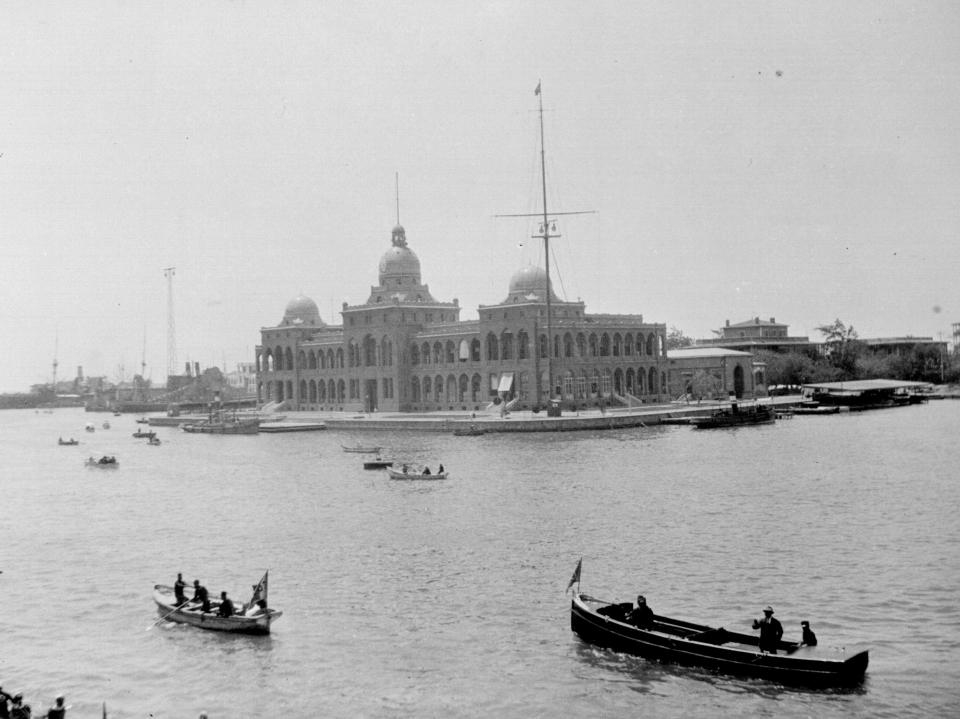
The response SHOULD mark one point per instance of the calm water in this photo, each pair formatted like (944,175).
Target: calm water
(446,599)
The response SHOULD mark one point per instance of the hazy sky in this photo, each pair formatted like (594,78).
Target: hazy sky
(797,160)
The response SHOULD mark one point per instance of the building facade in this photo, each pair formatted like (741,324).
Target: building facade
(757,334)
(403,350)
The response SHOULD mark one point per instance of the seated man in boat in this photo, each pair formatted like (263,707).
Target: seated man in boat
(809,638)
(426,470)
(179,587)
(770,631)
(440,470)
(226,606)
(642,616)
(258,607)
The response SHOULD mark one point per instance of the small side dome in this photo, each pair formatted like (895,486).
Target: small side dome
(301,310)
(529,284)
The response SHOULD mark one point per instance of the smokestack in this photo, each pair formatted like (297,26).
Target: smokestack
(196,369)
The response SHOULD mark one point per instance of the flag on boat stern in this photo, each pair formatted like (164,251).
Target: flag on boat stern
(575,579)
(537,91)
(260,590)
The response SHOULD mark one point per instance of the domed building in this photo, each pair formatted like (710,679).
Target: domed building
(403,350)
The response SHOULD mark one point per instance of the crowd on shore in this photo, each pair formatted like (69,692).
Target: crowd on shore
(12,706)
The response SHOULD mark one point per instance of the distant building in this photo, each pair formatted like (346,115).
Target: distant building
(757,334)
(714,373)
(403,350)
(904,345)
(243,378)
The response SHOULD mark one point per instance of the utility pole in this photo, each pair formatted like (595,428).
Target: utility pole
(169,272)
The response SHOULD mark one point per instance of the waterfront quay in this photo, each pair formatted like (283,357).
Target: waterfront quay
(491,421)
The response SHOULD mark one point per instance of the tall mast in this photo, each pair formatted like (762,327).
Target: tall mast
(546,248)
(397,176)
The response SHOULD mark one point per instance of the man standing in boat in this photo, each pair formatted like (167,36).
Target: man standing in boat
(770,631)
(200,595)
(642,616)
(179,587)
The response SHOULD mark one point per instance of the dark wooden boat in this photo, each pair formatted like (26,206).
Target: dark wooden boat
(377,464)
(736,416)
(67,442)
(681,642)
(104,462)
(140,434)
(816,409)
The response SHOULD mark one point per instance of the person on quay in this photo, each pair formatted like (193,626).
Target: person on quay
(4,706)
(809,638)
(58,710)
(642,615)
(770,631)
(179,587)
(226,606)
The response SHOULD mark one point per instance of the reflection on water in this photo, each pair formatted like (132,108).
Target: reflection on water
(446,598)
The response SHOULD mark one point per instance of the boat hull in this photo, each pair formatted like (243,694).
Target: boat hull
(680,642)
(241,427)
(399,474)
(728,418)
(166,607)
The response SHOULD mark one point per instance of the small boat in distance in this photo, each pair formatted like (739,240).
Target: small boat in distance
(362,448)
(90,427)
(105,462)
(140,434)
(153,441)
(106,425)
(220,422)
(736,416)
(67,442)
(471,431)
(680,642)
(408,473)
(377,464)
(254,617)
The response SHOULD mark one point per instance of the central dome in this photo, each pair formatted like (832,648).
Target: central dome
(399,264)
(529,284)
(301,310)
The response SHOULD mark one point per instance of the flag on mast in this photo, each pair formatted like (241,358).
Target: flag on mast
(575,579)
(260,590)
(537,91)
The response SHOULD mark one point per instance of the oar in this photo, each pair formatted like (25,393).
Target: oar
(172,611)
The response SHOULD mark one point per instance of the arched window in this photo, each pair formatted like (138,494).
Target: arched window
(493,348)
(437,353)
(462,387)
(475,349)
(651,344)
(523,345)
(450,351)
(321,391)
(426,389)
(341,391)
(628,345)
(451,388)
(425,353)
(556,346)
(594,348)
(302,360)
(386,352)
(568,345)
(652,382)
(581,345)
(278,358)
(475,388)
(604,345)
(631,389)
(617,345)
(542,346)
(506,345)
(312,360)
(303,391)
(369,352)
(463,353)
(438,389)
(640,343)
(313,391)
(414,354)
(415,388)
(340,357)
(288,359)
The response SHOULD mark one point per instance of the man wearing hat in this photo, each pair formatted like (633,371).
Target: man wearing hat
(770,631)
(58,710)
(642,616)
